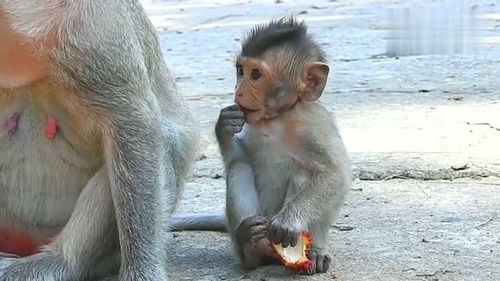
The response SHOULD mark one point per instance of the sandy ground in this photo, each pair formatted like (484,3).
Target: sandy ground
(423,133)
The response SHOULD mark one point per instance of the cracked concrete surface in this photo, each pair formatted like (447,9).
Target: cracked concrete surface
(423,133)
(397,230)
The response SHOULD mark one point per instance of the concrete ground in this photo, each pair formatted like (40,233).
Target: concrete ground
(423,133)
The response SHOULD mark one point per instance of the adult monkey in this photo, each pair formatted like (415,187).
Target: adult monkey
(287,171)
(95,143)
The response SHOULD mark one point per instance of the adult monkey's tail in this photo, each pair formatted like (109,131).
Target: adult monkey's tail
(207,221)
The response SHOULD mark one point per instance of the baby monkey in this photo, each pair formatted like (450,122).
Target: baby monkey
(286,165)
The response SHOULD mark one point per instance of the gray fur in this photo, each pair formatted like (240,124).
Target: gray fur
(113,183)
(293,171)
(301,191)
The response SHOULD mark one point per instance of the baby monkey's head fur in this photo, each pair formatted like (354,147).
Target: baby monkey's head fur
(279,65)
(286,36)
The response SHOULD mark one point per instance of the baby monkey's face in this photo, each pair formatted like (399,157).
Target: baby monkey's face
(261,91)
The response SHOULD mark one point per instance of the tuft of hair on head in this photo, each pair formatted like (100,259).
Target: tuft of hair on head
(286,32)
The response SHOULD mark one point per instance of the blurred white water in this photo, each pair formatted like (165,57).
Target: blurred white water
(445,27)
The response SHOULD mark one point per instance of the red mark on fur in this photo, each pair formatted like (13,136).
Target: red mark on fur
(12,123)
(52,128)
(17,243)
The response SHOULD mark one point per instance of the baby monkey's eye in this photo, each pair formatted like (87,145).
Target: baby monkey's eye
(239,70)
(256,74)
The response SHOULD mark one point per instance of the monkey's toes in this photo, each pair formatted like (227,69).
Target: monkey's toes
(321,263)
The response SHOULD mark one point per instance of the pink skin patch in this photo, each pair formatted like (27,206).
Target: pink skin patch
(17,243)
(12,123)
(52,128)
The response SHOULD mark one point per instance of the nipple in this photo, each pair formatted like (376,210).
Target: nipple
(12,123)
(52,128)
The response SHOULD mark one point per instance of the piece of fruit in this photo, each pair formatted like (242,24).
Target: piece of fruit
(296,258)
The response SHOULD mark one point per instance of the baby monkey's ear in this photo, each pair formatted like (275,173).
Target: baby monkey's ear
(314,78)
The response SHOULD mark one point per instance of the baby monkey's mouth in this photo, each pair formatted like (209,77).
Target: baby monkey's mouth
(251,115)
(246,109)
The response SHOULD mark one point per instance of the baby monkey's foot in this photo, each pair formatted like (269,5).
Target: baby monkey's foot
(320,263)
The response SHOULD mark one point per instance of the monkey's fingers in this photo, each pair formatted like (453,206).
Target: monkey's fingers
(258,220)
(234,122)
(290,238)
(245,226)
(276,234)
(253,221)
(285,241)
(233,110)
(294,238)
(257,229)
(231,107)
(232,115)
(235,129)
(256,238)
